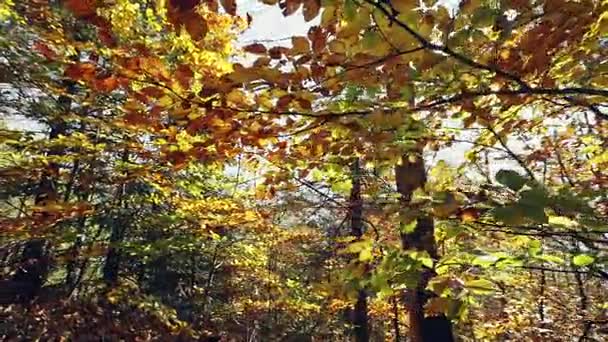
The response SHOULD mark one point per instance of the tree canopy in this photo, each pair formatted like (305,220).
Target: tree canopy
(407,170)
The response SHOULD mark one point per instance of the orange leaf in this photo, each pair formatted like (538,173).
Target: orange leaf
(44,50)
(82,8)
(469,214)
(106,84)
(80,71)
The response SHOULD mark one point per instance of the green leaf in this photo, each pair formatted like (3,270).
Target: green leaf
(508,215)
(480,286)
(536,196)
(583,260)
(342,187)
(510,179)
(534,247)
(407,228)
(366,254)
(535,213)
(550,258)
(371,39)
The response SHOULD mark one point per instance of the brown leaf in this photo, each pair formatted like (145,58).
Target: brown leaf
(184,76)
(289,7)
(283,102)
(311,9)
(183,5)
(195,25)
(300,45)
(261,62)
(256,48)
(304,103)
(154,92)
(178,159)
(212,5)
(229,6)
(277,52)
(318,39)
(335,59)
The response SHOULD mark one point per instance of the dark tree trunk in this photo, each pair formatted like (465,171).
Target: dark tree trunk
(360,318)
(111,266)
(411,175)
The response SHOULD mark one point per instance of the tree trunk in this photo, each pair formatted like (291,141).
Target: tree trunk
(409,176)
(360,319)
(117,231)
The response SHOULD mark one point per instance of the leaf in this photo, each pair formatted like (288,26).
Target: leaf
(447,206)
(195,25)
(407,228)
(256,48)
(404,6)
(583,260)
(318,39)
(510,179)
(276,52)
(82,8)
(44,50)
(106,84)
(550,258)
(300,45)
(438,305)
(343,187)
(480,286)
(290,7)
(535,213)
(311,9)
(536,196)
(469,214)
(366,254)
(229,6)
(184,76)
(80,71)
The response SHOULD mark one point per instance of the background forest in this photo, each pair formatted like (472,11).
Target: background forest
(403,170)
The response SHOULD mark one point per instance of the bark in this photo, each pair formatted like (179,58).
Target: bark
(360,318)
(409,176)
(111,266)
(396,320)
